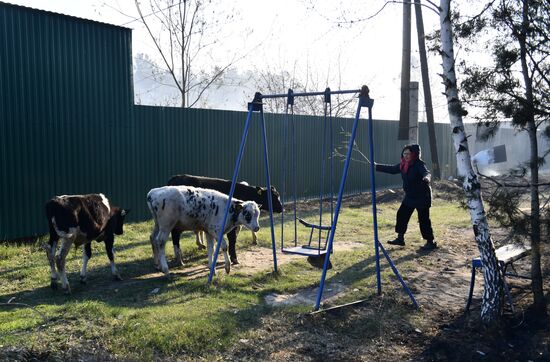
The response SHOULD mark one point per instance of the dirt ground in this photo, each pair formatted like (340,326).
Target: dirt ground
(440,285)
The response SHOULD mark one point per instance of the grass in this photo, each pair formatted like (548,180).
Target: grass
(147,316)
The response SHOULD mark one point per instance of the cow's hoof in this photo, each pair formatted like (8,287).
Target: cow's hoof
(53,283)
(227,268)
(83,280)
(67,290)
(179,261)
(166,271)
(201,247)
(117,277)
(234,261)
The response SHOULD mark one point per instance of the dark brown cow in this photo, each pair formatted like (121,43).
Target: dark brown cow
(79,219)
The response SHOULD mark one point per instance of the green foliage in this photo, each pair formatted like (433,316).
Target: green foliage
(514,85)
(504,208)
(471,27)
(505,57)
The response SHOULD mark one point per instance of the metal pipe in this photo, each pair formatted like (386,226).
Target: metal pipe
(233,182)
(373,193)
(396,272)
(309,93)
(269,199)
(338,204)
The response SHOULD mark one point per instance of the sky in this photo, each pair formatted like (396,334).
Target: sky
(299,37)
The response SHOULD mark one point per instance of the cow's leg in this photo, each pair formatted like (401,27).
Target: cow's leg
(66,244)
(86,255)
(211,240)
(199,239)
(210,250)
(152,240)
(225,256)
(109,242)
(232,237)
(160,242)
(254,238)
(50,248)
(176,234)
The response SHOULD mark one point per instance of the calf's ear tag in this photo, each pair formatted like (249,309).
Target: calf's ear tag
(260,192)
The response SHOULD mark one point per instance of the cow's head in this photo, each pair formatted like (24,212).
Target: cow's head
(117,219)
(249,214)
(275,198)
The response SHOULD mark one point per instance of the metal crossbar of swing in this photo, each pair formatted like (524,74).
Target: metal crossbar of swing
(364,101)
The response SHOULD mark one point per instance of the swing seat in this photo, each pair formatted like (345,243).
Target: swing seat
(308,250)
(305,250)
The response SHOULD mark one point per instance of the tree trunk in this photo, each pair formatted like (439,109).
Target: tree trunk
(404,125)
(491,308)
(436,171)
(539,303)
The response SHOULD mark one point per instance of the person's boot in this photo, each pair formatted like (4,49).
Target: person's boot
(430,245)
(399,240)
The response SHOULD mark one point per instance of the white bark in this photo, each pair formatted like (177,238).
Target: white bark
(491,308)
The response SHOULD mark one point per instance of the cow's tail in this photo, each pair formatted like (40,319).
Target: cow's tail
(152,207)
(53,208)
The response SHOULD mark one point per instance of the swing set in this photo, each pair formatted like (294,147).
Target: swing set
(322,245)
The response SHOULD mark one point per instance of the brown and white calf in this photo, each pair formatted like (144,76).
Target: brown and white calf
(195,209)
(79,219)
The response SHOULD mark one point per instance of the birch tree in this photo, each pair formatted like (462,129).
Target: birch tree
(491,308)
(515,86)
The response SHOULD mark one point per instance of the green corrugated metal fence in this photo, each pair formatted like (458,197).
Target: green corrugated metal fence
(68,126)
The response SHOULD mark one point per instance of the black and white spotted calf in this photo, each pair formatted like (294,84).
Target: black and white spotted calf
(242,192)
(79,219)
(195,209)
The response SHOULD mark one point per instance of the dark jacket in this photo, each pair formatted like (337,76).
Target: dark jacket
(418,193)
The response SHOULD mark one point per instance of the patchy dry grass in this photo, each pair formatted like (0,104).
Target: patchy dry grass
(146,317)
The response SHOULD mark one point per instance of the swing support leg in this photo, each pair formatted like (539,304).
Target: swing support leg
(377,245)
(268,181)
(231,192)
(362,101)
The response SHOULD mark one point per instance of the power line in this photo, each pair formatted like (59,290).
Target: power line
(144,16)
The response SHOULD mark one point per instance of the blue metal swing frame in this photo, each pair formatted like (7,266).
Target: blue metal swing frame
(364,101)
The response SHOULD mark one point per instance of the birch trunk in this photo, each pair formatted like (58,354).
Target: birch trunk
(491,308)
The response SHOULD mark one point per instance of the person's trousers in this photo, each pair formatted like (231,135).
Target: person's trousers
(404,215)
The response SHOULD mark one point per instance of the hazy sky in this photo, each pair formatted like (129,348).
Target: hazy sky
(290,35)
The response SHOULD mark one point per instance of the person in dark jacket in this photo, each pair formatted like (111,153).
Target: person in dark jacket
(418,195)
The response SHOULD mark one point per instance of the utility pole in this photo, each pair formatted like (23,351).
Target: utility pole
(427,92)
(403,133)
(413,112)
